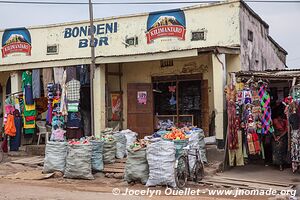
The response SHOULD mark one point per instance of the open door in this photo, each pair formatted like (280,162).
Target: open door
(140,108)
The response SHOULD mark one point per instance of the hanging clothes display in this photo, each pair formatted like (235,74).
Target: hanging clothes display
(234,134)
(36,83)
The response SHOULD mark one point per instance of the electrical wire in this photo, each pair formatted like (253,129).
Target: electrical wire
(137,2)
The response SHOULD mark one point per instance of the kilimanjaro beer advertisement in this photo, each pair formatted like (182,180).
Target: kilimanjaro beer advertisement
(16,40)
(166,24)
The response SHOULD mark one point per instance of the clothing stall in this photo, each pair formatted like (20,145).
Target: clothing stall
(263,118)
(51,96)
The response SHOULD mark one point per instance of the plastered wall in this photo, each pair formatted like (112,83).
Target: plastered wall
(141,72)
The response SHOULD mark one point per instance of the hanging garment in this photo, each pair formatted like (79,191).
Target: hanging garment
(10,128)
(36,83)
(63,108)
(26,79)
(28,95)
(237,154)
(73,90)
(58,122)
(253,143)
(74,120)
(71,74)
(295,149)
(266,111)
(15,142)
(49,114)
(84,74)
(17,104)
(58,75)
(233,128)
(47,78)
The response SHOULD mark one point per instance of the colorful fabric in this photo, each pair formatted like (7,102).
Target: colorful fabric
(29,110)
(266,111)
(10,128)
(73,90)
(253,143)
(30,118)
(30,124)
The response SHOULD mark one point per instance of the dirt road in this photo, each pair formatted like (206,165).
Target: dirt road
(26,191)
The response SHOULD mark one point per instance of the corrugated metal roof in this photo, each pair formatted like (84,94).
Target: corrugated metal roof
(272,74)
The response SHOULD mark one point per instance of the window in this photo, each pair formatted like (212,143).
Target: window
(199,35)
(250,36)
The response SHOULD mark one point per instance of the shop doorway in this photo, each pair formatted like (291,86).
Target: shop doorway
(181,100)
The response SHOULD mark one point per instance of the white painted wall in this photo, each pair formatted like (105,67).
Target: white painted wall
(221,21)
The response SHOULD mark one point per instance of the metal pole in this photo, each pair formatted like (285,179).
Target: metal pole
(92,67)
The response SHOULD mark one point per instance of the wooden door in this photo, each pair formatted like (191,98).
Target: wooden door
(140,114)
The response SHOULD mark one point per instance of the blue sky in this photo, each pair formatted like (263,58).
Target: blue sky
(282,18)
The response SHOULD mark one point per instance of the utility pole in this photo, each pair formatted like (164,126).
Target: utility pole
(92,67)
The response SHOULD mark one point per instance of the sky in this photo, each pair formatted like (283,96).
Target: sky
(283,18)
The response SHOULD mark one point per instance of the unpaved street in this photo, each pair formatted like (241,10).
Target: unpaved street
(27,191)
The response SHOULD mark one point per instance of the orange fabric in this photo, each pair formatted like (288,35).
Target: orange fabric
(10,128)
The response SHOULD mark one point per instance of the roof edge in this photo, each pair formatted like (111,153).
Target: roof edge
(254,14)
(277,45)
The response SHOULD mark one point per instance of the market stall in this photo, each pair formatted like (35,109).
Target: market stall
(262,109)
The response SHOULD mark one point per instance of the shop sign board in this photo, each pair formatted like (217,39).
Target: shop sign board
(84,32)
(17,40)
(166,24)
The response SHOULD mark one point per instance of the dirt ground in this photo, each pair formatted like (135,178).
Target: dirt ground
(14,187)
